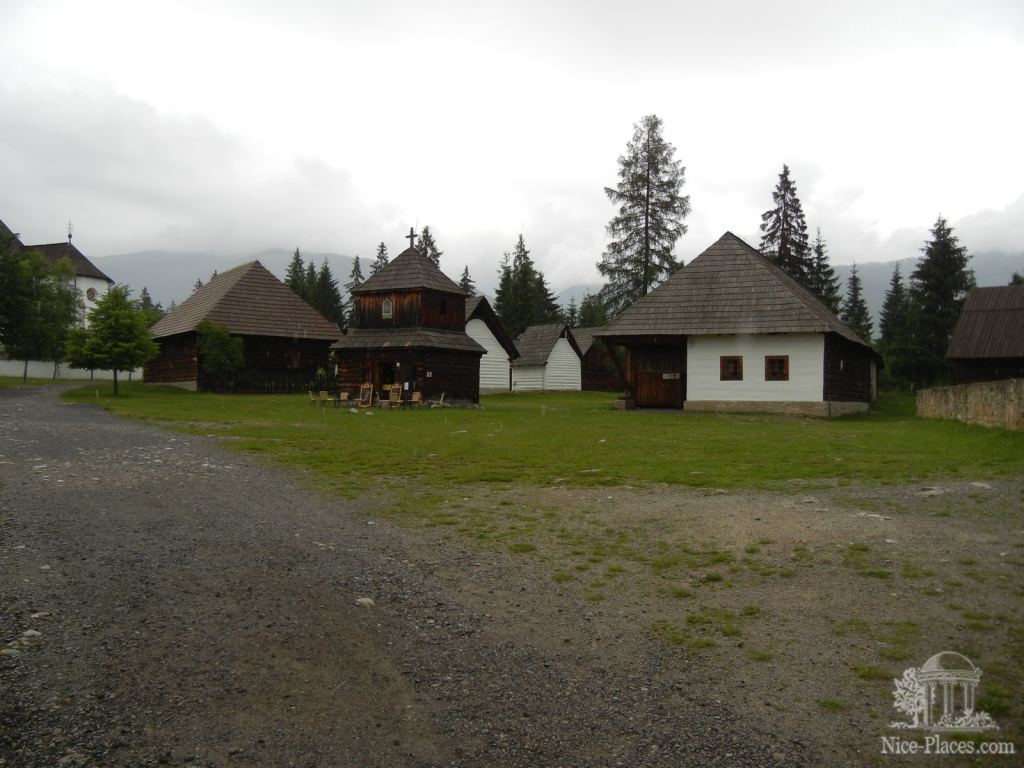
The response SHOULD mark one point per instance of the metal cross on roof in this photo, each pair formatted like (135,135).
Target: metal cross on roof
(411,237)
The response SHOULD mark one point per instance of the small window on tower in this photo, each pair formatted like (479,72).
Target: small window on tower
(91,294)
(730,368)
(387,309)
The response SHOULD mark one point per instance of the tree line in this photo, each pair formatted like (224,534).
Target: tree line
(917,318)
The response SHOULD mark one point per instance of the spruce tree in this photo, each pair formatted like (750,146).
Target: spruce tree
(295,276)
(523,297)
(328,297)
(649,220)
(466,282)
(592,311)
(822,280)
(784,232)
(1017,279)
(938,286)
(355,279)
(893,327)
(381,261)
(854,311)
(428,247)
(571,315)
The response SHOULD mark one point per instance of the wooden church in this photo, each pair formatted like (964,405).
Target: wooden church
(410,329)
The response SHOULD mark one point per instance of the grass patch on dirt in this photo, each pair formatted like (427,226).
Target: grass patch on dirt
(509,440)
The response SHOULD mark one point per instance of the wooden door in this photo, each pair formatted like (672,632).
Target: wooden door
(660,378)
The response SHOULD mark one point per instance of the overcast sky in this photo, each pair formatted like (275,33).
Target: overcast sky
(230,127)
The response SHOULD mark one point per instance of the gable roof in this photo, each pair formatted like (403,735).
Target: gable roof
(250,301)
(585,337)
(409,270)
(478,308)
(991,324)
(57,251)
(537,341)
(728,289)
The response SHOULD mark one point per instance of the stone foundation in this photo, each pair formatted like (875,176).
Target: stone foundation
(985,403)
(821,408)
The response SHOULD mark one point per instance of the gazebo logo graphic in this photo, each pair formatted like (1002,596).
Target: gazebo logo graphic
(939,696)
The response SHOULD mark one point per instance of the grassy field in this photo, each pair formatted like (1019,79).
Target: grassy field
(755,542)
(579,440)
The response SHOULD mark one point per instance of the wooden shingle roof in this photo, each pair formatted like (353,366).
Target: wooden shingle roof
(477,307)
(407,338)
(991,324)
(585,337)
(728,289)
(250,301)
(409,270)
(537,341)
(57,251)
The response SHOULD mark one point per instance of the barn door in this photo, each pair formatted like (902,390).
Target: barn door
(660,378)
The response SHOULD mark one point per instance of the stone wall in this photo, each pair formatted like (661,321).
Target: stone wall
(987,403)
(824,408)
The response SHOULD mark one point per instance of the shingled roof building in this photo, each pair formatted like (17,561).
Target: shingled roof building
(731,331)
(601,369)
(484,327)
(988,341)
(286,340)
(90,282)
(410,330)
(549,359)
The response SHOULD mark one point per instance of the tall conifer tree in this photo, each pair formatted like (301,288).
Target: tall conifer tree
(823,282)
(355,279)
(295,276)
(938,286)
(466,282)
(381,261)
(650,217)
(328,296)
(428,247)
(784,232)
(854,311)
(893,326)
(523,297)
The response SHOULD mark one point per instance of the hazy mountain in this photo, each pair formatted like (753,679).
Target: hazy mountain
(171,275)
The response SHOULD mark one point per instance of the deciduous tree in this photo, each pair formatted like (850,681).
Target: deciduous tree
(650,217)
(220,353)
(117,338)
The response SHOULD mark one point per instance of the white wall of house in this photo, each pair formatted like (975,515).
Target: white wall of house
(494,366)
(90,290)
(563,369)
(43,369)
(527,378)
(806,353)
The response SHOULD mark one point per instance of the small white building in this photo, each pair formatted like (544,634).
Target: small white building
(484,327)
(549,360)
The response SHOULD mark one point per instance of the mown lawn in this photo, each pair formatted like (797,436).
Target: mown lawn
(577,439)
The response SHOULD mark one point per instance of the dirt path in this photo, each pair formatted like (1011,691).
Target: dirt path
(193,607)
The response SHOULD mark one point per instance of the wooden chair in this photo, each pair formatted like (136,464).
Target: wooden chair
(312,398)
(342,399)
(366,395)
(394,397)
(416,401)
(439,403)
(325,398)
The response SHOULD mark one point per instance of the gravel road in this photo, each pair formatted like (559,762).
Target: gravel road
(165,602)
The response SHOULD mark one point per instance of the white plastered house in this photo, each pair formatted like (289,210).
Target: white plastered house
(484,327)
(549,360)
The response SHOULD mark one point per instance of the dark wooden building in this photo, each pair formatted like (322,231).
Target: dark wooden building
(988,341)
(410,330)
(730,331)
(286,341)
(603,366)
